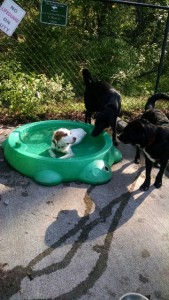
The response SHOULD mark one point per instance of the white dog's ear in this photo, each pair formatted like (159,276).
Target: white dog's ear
(58,134)
(74,139)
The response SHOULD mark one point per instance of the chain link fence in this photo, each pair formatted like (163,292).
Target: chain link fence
(109,39)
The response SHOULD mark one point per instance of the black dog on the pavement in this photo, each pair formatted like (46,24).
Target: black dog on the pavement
(153,139)
(155,116)
(101,98)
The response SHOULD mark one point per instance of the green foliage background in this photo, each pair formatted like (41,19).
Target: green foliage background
(41,64)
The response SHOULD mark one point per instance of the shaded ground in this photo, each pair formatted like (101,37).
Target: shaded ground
(16,119)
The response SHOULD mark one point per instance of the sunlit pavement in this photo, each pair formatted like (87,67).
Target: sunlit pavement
(79,241)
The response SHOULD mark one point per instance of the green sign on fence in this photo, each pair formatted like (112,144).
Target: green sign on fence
(53,13)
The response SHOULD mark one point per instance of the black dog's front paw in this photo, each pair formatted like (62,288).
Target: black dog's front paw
(145,186)
(115,143)
(136,161)
(157,184)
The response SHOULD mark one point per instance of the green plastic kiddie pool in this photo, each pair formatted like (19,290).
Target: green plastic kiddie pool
(27,150)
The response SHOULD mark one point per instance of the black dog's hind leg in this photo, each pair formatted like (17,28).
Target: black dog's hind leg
(158,180)
(146,184)
(113,126)
(87,117)
(137,156)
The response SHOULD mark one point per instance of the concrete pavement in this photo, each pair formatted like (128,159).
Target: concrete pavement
(79,241)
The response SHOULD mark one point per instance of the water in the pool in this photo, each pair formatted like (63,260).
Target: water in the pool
(39,141)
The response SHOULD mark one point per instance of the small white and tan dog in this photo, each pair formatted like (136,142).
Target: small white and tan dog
(63,139)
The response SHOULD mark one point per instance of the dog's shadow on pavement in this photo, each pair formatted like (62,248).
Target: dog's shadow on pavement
(70,228)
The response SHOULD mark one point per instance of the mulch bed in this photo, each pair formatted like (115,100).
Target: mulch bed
(18,119)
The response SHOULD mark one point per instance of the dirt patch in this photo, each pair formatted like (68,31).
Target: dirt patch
(18,119)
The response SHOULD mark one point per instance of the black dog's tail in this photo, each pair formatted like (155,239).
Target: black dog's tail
(152,100)
(87,77)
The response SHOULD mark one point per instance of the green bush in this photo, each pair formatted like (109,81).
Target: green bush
(25,93)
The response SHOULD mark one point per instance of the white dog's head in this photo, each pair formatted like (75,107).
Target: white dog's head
(62,140)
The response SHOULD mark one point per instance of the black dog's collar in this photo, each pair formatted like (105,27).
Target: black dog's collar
(151,141)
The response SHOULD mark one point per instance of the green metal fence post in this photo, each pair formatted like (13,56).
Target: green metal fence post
(162,54)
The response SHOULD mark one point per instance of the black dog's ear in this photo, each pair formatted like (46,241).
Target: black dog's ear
(139,124)
(150,133)
(146,128)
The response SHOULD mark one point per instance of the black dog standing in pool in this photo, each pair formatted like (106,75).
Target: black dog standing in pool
(102,98)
